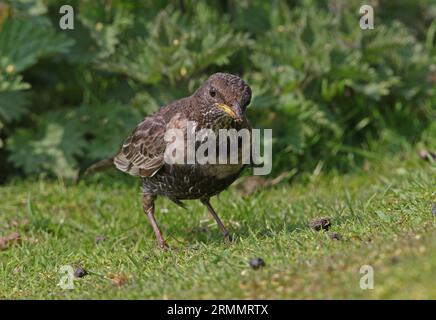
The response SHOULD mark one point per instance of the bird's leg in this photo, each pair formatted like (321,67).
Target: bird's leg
(227,236)
(148,206)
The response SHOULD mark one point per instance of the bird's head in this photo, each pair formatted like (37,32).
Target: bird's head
(225,95)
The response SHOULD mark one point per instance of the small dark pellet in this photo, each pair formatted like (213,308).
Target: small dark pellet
(99,239)
(80,273)
(335,236)
(319,224)
(257,263)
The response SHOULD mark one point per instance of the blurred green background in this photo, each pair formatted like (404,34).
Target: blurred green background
(333,94)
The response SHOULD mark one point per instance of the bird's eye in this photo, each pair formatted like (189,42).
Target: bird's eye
(212,92)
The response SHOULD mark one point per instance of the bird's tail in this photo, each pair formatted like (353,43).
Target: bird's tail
(99,166)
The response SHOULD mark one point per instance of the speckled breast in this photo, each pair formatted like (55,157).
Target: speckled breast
(195,181)
(191,181)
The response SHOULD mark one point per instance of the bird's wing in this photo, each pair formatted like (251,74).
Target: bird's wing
(142,153)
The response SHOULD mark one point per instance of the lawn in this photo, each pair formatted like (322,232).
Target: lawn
(382,215)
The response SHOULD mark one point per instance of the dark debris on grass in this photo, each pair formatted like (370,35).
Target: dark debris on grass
(319,224)
(80,272)
(99,239)
(256,263)
(335,236)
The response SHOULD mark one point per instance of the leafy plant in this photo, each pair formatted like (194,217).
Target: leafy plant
(331,92)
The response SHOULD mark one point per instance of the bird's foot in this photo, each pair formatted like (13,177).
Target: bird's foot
(228,238)
(164,246)
(167,248)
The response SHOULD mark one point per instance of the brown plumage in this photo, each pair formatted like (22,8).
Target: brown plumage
(220,103)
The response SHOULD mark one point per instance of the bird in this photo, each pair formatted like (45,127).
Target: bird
(219,103)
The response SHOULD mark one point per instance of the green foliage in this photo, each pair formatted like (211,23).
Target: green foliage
(169,50)
(23,41)
(328,89)
(62,138)
(336,86)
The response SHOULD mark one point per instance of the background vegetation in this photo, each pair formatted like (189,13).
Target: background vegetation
(332,93)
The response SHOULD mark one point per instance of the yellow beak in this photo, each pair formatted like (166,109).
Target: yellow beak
(227,110)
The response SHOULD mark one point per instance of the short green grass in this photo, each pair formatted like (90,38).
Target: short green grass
(383,215)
